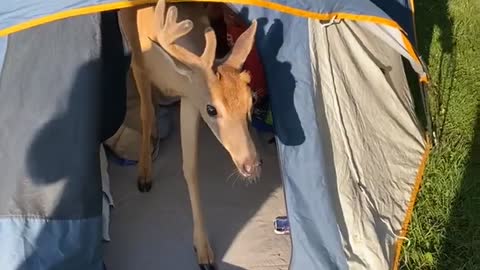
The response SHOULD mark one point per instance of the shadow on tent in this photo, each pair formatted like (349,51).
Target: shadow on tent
(53,160)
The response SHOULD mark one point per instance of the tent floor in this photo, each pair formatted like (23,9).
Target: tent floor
(153,230)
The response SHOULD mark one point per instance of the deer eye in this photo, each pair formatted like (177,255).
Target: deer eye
(211,110)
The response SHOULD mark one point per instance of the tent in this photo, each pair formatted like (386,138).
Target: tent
(350,137)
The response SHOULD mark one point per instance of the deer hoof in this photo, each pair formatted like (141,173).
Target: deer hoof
(210,264)
(144,185)
(207,267)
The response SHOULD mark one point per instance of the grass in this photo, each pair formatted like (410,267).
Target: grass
(445,228)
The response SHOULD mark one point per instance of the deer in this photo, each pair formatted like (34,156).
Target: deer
(178,57)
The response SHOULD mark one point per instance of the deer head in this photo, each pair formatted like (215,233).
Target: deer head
(221,93)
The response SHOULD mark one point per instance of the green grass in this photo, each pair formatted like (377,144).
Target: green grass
(445,229)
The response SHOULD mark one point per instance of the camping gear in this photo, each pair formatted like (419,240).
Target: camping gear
(352,134)
(281,225)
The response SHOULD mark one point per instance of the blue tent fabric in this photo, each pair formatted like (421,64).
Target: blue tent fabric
(13,12)
(50,244)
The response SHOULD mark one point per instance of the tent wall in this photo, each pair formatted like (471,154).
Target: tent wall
(29,12)
(365,187)
(377,144)
(53,83)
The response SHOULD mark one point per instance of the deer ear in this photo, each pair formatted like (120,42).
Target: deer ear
(178,67)
(242,47)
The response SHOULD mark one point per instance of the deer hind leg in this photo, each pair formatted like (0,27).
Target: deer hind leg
(189,123)
(144,180)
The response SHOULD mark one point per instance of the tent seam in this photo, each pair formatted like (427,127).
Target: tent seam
(411,204)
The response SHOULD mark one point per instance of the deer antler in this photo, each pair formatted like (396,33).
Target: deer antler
(168,30)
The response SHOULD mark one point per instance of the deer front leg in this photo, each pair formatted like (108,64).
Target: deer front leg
(189,123)
(144,180)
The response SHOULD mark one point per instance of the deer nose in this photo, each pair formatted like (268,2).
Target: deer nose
(250,167)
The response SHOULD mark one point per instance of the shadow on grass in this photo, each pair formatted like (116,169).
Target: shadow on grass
(460,249)
(435,42)
(431,16)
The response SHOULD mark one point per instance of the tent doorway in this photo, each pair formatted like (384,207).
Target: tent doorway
(154,230)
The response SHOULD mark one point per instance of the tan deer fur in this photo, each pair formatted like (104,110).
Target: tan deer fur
(179,59)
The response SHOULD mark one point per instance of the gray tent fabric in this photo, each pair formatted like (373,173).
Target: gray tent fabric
(52,87)
(53,121)
(369,105)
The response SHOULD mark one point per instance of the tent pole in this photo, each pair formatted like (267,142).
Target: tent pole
(424,89)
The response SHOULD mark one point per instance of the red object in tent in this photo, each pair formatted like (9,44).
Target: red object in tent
(253,64)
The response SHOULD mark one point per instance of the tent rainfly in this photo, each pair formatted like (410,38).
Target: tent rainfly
(351,140)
